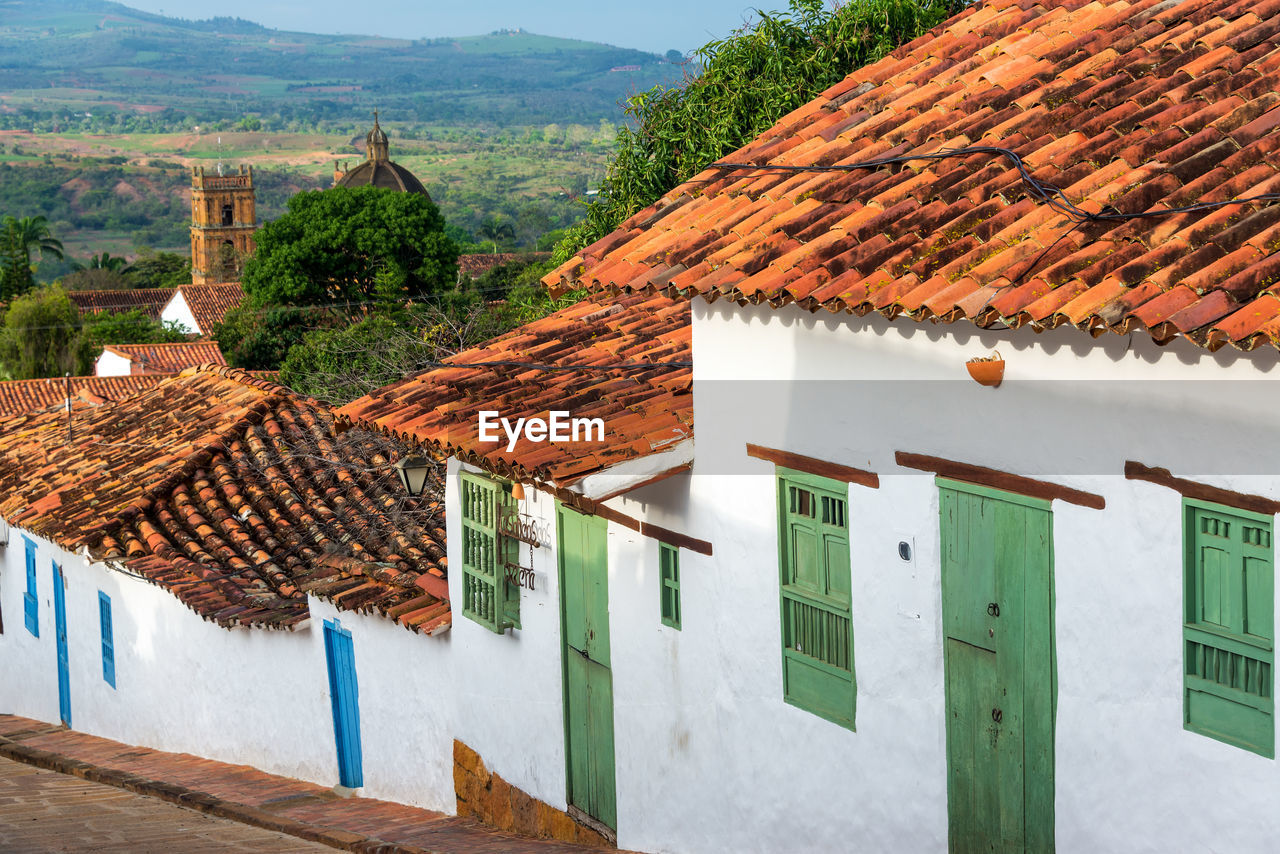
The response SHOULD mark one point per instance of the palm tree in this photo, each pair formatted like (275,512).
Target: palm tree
(494,229)
(32,232)
(105,261)
(21,237)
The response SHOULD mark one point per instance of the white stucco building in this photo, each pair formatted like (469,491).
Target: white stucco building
(972,547)
(189,592)
(884,606)
(199,309)
(122,360)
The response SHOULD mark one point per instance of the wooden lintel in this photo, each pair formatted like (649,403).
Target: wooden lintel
(608,513)
(1201,491)
(983,476)
(644,529)
(811,465)
(675,539)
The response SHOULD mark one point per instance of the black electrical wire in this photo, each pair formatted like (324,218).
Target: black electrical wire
(1049,194)
(542,366)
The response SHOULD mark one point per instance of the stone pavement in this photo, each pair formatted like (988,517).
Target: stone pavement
(247,795)
(42,812)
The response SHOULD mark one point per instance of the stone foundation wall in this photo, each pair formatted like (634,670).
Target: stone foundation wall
(494,801)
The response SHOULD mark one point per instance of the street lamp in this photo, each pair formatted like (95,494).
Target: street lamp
(412,471)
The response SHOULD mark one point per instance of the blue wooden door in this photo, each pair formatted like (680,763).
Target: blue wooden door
(345,696)
(60,630)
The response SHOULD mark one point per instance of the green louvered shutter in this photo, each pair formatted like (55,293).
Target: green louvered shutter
(487,596)
(1229,627)
(817,624)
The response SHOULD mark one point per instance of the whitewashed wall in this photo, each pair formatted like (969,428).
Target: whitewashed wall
(112,365)
(255,697)
(407,708)
(709,757)
(177,311)
(510,686)
(1126,769)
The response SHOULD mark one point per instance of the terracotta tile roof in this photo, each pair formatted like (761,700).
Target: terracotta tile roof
(209,304)
(169,358)
(478,264)
(237,496)
(22,396)
(1127,106)
(150,300)
(644,409)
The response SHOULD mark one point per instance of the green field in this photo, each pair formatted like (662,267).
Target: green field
(120,192)
(104,110)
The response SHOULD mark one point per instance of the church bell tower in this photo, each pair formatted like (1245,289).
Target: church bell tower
(223,219)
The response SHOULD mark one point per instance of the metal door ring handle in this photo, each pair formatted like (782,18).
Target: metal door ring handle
(996,715)
(993,609)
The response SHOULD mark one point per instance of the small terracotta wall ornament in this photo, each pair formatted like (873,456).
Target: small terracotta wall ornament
(987,370)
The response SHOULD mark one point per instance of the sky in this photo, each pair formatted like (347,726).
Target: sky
(653,25)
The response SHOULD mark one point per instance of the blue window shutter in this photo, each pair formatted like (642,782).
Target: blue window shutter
(108,641)
(29,602)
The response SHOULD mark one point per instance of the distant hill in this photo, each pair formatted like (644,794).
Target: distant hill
(70,64)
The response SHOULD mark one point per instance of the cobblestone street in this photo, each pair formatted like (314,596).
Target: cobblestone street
(44,811)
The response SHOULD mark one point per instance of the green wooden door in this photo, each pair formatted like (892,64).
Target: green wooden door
(588,707)
(997,617)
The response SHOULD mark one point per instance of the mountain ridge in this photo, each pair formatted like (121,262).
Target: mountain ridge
(59,58)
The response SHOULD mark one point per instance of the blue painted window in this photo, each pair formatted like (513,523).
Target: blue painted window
(29,598)
(108,641)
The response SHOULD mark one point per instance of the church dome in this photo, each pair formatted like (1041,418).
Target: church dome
(378,169)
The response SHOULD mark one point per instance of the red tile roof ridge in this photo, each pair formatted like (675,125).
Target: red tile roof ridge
(125,349)
(20,397)
(168,357)
(253,379)
(150,300)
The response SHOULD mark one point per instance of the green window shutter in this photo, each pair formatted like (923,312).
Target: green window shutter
(669,565)
(488,596)
(1228,625)
(816,593)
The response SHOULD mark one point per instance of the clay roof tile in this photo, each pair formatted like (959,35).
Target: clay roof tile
(1124,107)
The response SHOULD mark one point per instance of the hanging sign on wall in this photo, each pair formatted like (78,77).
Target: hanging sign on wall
(513,524)
(520,575)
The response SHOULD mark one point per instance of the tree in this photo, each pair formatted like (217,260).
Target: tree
(330,246)
(159,270)
(95,279)
(106,261)
(494,229)
(122,327)
(532,222)
(749,81)
(39,336)
(258,338)
(20,237)
(45,336)
(339,365)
